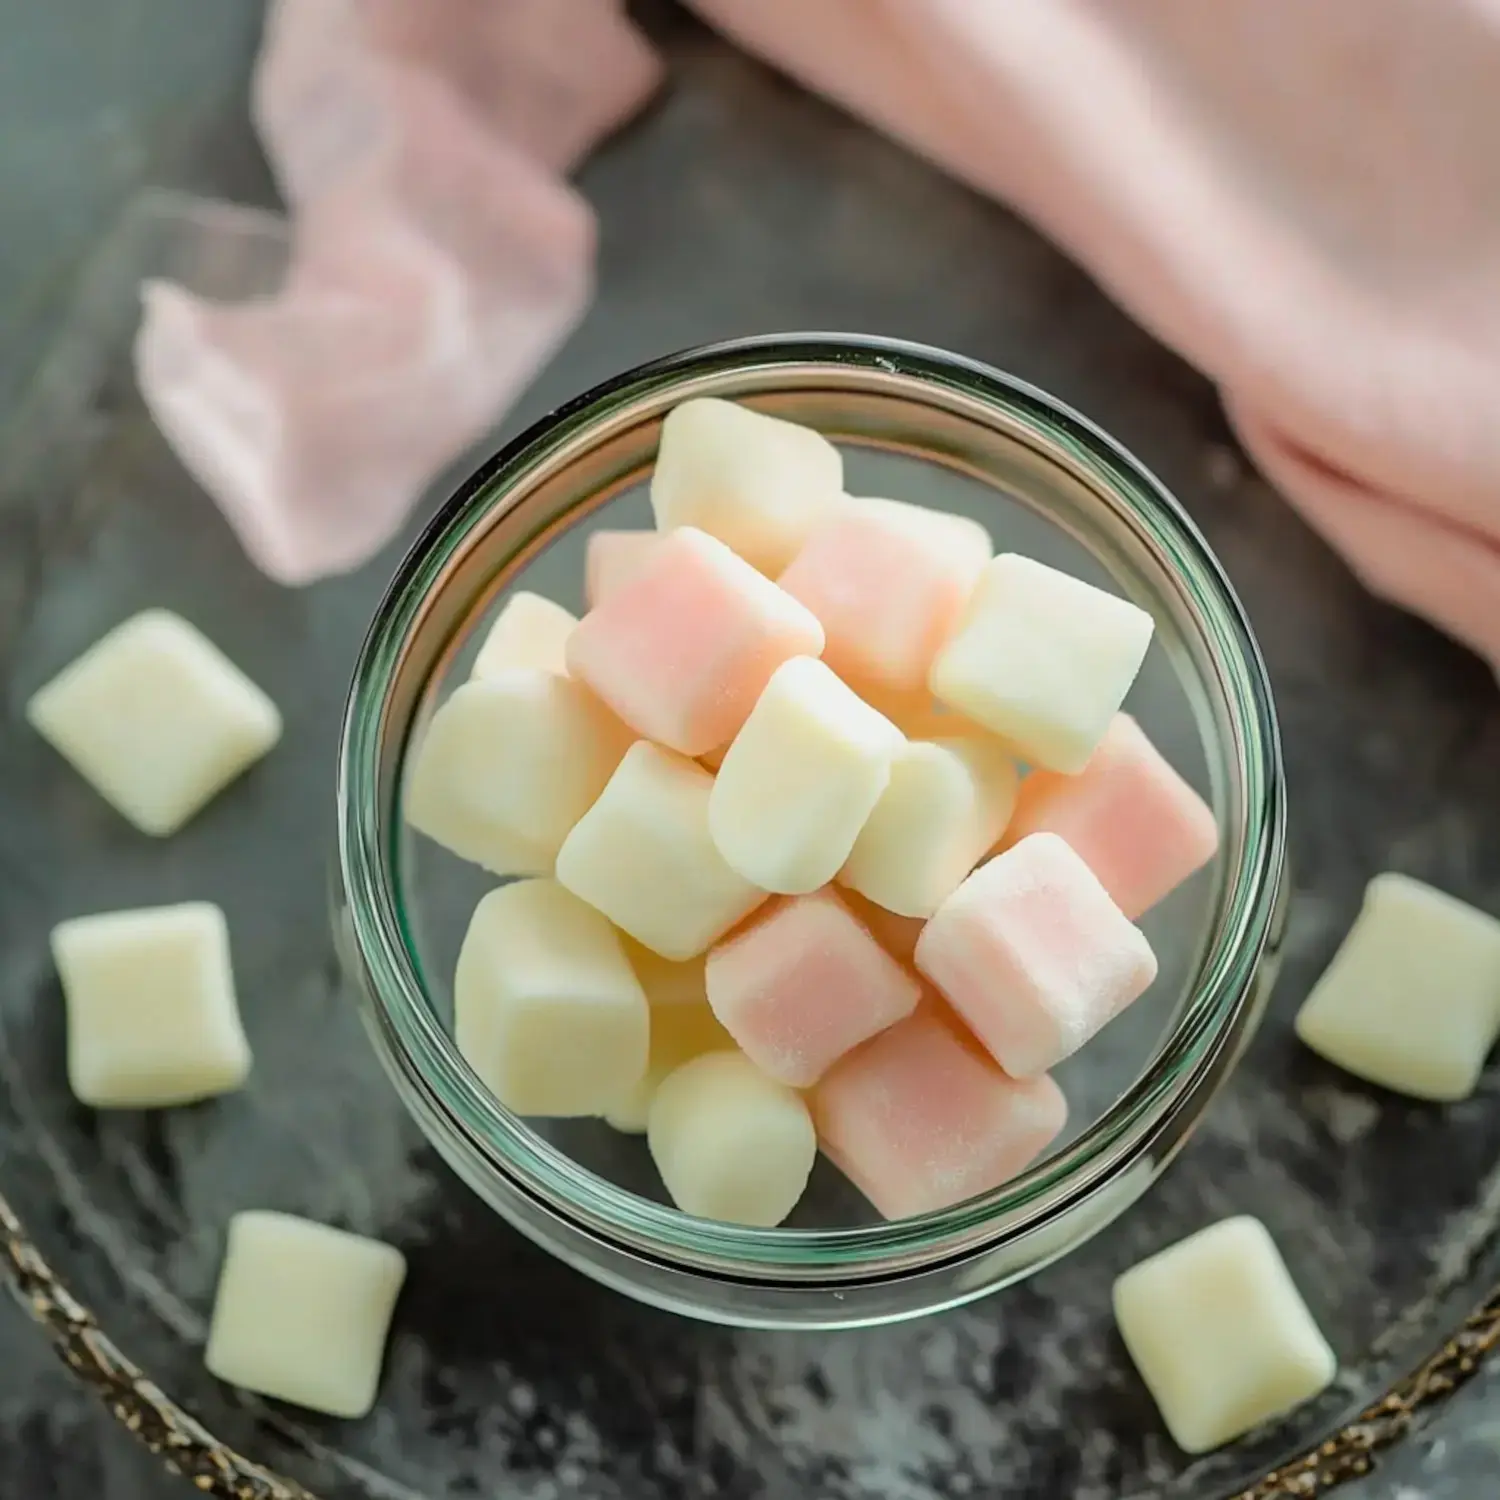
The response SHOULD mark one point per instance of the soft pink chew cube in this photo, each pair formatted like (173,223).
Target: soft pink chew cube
(681,650)
(888,581)
(1034,956)
(920,1119)
(805,984)
(612,557)
(1134,821)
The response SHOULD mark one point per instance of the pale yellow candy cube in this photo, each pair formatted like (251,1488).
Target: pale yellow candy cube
(156,718)
(756,483)
(1220,1334)
(152,1018)
(509,764)
(1411,1000)
(666,982)
(643,856)
(1043,660)
(303,1312)
(800,779)
(945,805)
(546,1007)
(529,631)
(729,1142)
(679,1033)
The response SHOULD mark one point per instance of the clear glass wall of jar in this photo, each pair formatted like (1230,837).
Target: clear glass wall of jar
(922,425)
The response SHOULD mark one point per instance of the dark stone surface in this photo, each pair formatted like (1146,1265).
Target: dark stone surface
(737,205)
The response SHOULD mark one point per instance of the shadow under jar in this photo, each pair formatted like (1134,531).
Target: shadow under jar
(915,424)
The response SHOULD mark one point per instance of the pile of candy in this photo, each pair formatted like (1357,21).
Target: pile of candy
(782,884)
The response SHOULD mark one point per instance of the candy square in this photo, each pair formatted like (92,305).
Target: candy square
(529,631)
(546,1007)
(1220,1334)
(800,779)
(682,649)
(920,1119)
(509,764)
(888,583)
(940,814)
(730,1143)
(1134,821)
(152,1017)
(1043,660)
(303,1312)
(897,935)
(156,718)
(1034,956)
(610,558)
(643,856)
(667,983)
(679,1033)
(1411,1000)
(757,483)
(805,983)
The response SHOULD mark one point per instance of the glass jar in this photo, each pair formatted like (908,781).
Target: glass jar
(917,424)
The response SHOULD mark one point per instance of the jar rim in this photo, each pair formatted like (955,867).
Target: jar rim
(1163,1102)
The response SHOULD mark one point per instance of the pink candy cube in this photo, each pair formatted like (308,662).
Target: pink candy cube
(1136,823)
(888,581)
(612,557)
(805,984)
(920,1119)
(1034,955)
(681,650)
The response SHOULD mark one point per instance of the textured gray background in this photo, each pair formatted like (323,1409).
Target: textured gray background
(736,206)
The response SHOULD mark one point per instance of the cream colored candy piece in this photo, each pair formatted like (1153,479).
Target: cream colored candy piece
(800,779)
(612,558)
(729,1142)
(509,764)
(945,805)
(1411,1000)
(529,631)
(303,1312)
(1042,659)
(1220,1334)
(679,1033)
(546,1007)
(156,718)
(665,982)
(757,483)
(152,1018)
(643,856)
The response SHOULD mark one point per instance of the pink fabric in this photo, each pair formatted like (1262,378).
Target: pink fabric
(1302,199)
(437,261)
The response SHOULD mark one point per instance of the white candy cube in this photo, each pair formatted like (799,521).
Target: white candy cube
(529,631)
(509,764)
(1042,659)
(756,483)
(152,1018)
(800,779)
(546,1007)
(945,805)
(679,1033)
(156,718)
(1411,1000)
(729,1142)
(1220,1334)
(303,1312)
(643,856)
(665,982)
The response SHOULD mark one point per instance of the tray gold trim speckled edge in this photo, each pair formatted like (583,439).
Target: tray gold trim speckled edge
(189,1449)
